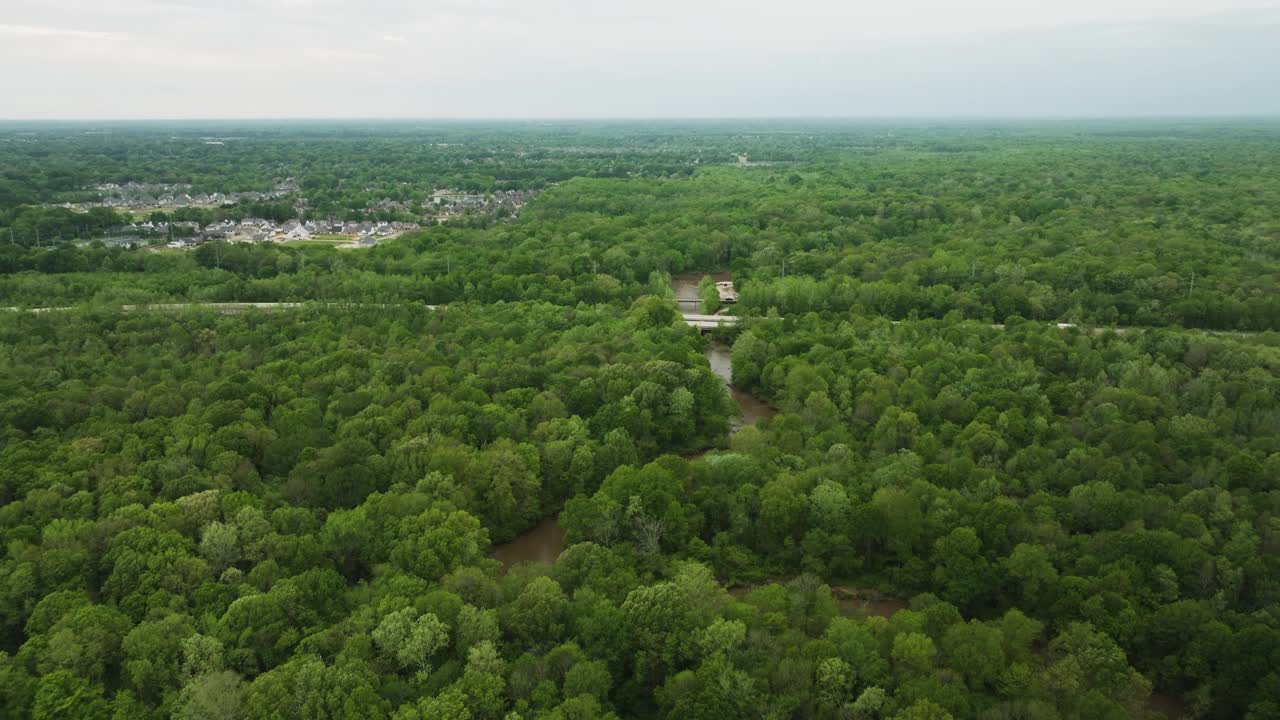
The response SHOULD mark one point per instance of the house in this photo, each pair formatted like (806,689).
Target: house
(298,233)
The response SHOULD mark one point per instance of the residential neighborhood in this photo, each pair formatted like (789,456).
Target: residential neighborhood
(148,196)
(186,235)
(447,204)
(441,206)
(257,230)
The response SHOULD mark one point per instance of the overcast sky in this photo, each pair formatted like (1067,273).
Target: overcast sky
(637,58)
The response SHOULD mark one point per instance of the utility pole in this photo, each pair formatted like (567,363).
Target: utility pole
(1192,286)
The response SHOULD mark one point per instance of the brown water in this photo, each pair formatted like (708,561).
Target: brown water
(543,544)
(850,601)
(685,286)
(1173,707)
(753,408)
(853,601)
(545,541)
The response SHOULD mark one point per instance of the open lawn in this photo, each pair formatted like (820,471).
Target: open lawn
(322,240)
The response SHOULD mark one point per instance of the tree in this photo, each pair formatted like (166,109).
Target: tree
(913,654)
(448,705)
(723,636)
(152,652)
(63,695)
(201,654)
(88,641)
(393,633)
(709,295)
(438,540)
(473,627)
(646,529)
(1031,567)
(901,519)
(306,687)
(833,685)
(483,681)
(718,690)
(855,644)
(959,568)
(659,622)
(1085,661)
(590,677)
(651,311)
(869,703)
(537,616)
(212,696)
(924,710)
(17,688)
(975,650)
(1019,634)
(427,636)
(220,545)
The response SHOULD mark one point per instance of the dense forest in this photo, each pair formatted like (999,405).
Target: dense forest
(1099,229)
(957,508)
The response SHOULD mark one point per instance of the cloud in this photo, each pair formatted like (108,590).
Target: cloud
(56,32)
(339,56)
(663,58)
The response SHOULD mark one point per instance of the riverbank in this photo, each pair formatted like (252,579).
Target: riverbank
(545,541)
(687,291)
(753,408)
(850,600)
(543,544)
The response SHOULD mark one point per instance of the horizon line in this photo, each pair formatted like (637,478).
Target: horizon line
(657,118)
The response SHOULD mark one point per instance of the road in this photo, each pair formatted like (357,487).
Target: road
(695,320)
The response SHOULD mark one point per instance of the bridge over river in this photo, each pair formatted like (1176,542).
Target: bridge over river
(708,322)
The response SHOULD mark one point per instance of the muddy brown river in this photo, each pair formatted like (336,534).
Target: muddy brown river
(546,540)
(685,286)
(752,408)
(541,544)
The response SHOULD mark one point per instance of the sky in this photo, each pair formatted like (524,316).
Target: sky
(125,59)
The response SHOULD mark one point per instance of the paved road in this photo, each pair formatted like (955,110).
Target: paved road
(697,320)
(693,319)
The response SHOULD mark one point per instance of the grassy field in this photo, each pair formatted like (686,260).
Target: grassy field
(322,240)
